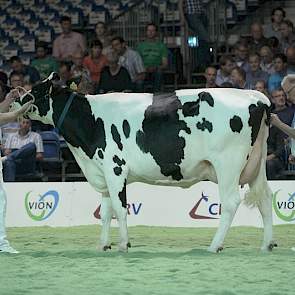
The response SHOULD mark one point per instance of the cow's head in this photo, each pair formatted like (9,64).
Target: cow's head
(41,95)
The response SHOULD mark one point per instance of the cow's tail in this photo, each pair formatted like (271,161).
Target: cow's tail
(258,186)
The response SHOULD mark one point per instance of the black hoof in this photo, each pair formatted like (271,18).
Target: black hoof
(219,249)
(128,245)
(105,248)
(272,245)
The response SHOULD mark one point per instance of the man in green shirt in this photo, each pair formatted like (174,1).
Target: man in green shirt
(45,64)
(155,57)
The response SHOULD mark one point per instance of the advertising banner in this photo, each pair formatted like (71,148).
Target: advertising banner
(77,203)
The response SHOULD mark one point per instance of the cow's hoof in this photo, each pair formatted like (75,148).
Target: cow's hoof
(219,249)
(107,247)
(272,245)
(214,249)
(128,245)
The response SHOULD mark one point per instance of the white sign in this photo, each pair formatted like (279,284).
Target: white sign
(77,203)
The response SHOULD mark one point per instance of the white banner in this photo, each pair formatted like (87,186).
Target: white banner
(76,203)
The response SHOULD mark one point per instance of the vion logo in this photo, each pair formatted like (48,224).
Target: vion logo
(42,206)
(212,210)
(285,209)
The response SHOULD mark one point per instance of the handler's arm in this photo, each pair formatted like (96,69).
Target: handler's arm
(284,127)
(12,116)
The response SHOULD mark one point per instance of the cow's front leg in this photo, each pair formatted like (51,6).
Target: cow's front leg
(106,213)
(117,190)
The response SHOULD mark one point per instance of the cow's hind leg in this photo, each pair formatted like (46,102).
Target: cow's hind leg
(230,200)
(260,195)
(106,213)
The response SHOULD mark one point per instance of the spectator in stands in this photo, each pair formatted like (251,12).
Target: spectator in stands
(238,78)
(114,77)
(274,45)
(4,89)
(285,113)
(274,28)
(261,86)
(44,63)
(68,42)
(210,75)
(95,61)
(194,11)
(255,73)
(290,53)
(275,151)
(275,79)
(78,69)
(227,63)
(29,73)
(288,36)
(5,118)
(257,39)
(16,80)
(241,53)
(104,35)
(266,63)
(22,149)
(154,54)
(65,73)
(131,60)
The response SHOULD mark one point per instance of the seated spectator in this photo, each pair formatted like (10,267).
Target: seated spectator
(274,28)
(255,73)
(95,61)
(78,69)
(241,53)
(82,84)
(274,45)
(22,149)
(261,86)
(226,63)
(4,89)
(44,63)
(290,53)
(154,54)
(275,151)
(238,78)
(284,112)
(131,60)
(65,73)
(280,66)
(16,80)
(29,73)
(104,35)
(210,75)
(288,35)
(68,42)
(114,77)
(257,39)
(266,63)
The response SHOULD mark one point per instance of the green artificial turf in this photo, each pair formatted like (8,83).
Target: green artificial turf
(161,261)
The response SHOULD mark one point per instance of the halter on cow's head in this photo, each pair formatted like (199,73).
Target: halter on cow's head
(42,103)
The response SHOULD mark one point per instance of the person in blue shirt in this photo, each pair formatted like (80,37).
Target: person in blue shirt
(275,79)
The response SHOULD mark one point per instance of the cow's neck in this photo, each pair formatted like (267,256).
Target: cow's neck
(79,127)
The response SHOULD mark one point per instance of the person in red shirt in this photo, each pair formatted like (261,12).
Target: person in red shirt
(96,61)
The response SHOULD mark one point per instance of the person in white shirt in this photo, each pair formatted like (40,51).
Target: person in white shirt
(5,118)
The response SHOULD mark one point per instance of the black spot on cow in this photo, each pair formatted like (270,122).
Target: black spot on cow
(206,96)
(160,134)
(100,154)
(236,124)
(256,112)
(118,171)
(118,161)
(205,125)
(79,128)
(126,128)
(122,196)
(192,108)
(116,137)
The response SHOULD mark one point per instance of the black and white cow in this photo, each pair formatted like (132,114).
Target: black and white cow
(176,139)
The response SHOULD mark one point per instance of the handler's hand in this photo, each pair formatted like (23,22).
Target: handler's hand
(24,108)
(274,119)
